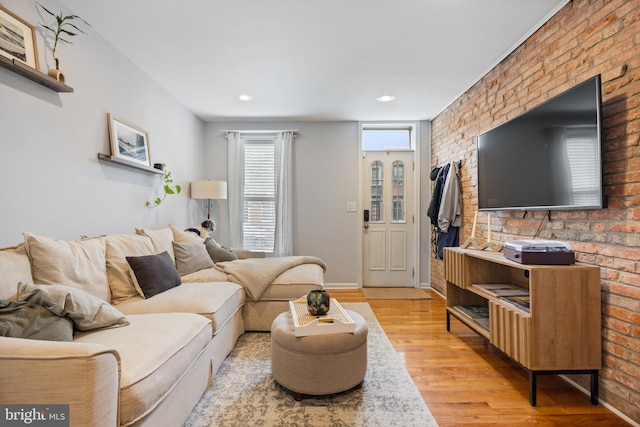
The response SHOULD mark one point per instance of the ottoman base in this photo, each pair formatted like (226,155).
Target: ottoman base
(318,364)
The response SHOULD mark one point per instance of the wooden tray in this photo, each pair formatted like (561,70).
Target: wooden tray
(336,321)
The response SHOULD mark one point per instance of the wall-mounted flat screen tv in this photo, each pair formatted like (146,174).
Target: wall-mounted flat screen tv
(547,158)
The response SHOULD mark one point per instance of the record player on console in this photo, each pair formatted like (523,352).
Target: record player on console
(539,252)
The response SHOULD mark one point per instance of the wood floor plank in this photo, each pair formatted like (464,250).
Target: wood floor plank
(465,381)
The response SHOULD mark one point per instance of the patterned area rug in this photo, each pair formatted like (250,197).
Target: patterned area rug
(245,394)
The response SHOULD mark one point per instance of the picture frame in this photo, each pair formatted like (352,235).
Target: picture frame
(18,39)
(128,142)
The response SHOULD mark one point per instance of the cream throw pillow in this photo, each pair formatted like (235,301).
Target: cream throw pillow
(15,268)
(191,257)
(185,236)
(86,311)
(161,239)
(119,247)
(81,264)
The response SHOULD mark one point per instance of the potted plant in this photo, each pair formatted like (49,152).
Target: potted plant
(62,31)
(167,186)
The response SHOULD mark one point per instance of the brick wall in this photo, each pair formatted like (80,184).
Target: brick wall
(587,37)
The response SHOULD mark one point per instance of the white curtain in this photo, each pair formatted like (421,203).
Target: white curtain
(284,229)
(235,183)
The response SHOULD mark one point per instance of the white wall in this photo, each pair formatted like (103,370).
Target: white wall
(325,179)
(51,182)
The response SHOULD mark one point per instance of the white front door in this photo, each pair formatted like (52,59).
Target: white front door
(389,232)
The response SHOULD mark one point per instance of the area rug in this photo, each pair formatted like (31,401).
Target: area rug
(245,394)
(395,293)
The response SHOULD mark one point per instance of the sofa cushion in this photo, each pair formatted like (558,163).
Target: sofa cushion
(184,236)
(15,268)
(206,275)
(81,264)
(154,274)
(217,252)
(86,311)
(155,352)
(119,247)
(161,239)
(191,257)
(215,301)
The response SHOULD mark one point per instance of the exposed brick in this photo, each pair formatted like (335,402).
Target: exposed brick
(585,38)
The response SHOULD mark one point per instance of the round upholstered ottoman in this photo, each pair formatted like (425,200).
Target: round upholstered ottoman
(318,364)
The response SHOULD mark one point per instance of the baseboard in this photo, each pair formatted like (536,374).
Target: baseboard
(342,286)
(600,401)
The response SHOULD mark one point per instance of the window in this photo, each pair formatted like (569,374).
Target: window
(388,137)
(260,183)
(377,192)
(397,190)
(259,204)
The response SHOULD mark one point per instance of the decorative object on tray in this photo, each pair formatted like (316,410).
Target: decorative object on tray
(318,302)
(336,321)
(18,39)
(128,142)
(168,187)
(62,30)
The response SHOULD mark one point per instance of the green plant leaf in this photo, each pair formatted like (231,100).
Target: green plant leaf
(178,189)
(168,190)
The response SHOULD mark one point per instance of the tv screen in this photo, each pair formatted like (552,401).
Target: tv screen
(547,158)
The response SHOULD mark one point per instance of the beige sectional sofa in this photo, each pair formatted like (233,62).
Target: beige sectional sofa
(152,363)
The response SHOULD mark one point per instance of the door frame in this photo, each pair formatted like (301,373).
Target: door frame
(415,241)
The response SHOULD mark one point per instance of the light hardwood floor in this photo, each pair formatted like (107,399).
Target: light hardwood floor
(465,381)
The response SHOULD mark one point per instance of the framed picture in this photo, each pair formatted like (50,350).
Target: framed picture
(17,39)
(128,142)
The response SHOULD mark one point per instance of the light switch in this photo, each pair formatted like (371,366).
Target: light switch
(351,206)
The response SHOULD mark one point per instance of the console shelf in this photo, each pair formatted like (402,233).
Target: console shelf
(34,75)
(559,334)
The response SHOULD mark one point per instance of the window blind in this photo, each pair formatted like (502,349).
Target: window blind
(259,204)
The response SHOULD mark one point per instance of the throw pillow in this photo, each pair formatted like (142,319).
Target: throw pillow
(81,264)
(184,236)
(154,273)
(22,319)
(161,239)
(217,252)
(15,268)
(120,246)
(191,257)
(86,311)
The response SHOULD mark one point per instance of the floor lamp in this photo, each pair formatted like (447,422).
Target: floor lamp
(209,190)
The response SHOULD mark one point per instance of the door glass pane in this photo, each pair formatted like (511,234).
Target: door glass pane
(377,192)
(397,190)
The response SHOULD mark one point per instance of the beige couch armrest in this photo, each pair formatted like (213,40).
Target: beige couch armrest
(85,376)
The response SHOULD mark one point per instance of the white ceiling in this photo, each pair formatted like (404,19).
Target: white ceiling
(315,60)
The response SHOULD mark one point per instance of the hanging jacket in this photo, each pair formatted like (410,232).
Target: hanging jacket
(438,175)
(450,213)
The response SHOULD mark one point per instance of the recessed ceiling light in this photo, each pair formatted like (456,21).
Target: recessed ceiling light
(245,97)
(385,98)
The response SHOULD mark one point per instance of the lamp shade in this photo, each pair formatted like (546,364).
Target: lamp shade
(208,189)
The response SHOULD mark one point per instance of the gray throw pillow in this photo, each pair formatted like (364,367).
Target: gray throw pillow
(217,252)
(191,257)
(154,273)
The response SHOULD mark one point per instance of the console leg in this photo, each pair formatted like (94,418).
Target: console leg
(532,388)
(448,321)
(594,388)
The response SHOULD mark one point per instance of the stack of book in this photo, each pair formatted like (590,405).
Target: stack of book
(521,302)
(477,313)
(501,290)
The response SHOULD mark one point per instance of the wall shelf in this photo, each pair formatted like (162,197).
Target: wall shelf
(116,160)
(34,75)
